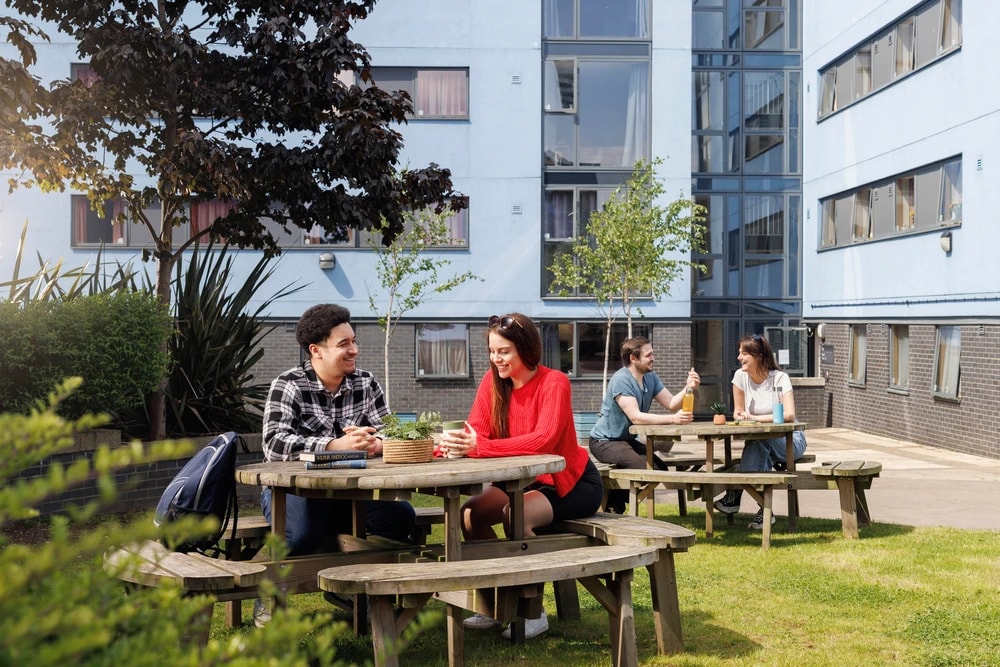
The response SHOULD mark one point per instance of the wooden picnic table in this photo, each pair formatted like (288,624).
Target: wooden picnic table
(710,433)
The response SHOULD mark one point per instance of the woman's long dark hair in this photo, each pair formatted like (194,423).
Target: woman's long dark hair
(523,333)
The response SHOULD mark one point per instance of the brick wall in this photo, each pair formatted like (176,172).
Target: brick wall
(967,425)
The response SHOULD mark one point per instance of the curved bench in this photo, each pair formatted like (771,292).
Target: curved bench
(520,576)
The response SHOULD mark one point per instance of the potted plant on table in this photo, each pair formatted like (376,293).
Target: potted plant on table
(718,413)
(409,441)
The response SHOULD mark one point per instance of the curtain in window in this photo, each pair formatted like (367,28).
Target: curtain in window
(80,205)
(642,18)
(558,18)
(559,214)
(440,352)
(204,214)
(456,227)
(946,373)
(442,93)
(637,116)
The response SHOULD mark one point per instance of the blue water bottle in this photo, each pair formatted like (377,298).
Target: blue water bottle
(778,408)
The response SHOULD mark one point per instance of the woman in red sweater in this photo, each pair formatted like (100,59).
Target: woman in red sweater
(523,408)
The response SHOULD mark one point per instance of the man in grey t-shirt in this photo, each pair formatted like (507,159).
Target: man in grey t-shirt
(630,394)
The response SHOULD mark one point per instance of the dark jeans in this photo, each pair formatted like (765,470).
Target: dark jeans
(312,524)
(623,454)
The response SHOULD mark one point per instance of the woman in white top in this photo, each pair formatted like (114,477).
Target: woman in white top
(756,385)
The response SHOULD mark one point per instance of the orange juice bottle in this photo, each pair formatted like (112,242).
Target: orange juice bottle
(687,404)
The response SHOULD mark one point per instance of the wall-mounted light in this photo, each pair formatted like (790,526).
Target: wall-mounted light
(327,261)
(945,242)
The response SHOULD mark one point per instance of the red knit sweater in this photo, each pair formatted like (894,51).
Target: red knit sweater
(540,421)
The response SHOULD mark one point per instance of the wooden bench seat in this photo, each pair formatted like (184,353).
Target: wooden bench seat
(251,531)
(620,530)
(759,485)
(150,563)
(851,479)
(522,576)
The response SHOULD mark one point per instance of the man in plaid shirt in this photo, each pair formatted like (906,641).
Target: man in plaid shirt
(327,403)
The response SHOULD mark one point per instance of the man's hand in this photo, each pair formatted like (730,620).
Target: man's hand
(693,379)
(683,417)
(358,437)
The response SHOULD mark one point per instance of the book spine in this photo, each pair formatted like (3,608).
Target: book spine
(344,455)
(324,465)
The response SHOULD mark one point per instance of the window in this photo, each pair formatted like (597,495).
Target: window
(442,350)
(82,72)
(92,228)
(436,92)
(858,355)
(927,33)
(456,229)
(605,123)
(595,19)
(899,357)
(567,213)
(577,348)
(947,348)
(950,209)
(923,200)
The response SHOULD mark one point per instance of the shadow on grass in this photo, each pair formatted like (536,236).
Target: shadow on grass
(807,531)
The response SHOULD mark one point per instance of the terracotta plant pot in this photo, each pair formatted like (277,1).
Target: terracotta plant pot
(719,419)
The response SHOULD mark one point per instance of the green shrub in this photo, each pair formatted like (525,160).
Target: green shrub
(115,341)
(59,607)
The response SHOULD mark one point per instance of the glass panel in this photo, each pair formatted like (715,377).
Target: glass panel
(394,78)
(829,227)
(793,229)
(708,31)
(557,346)
(442,93)
(899,356)
(764,154)
(764,278)
(608,18)
(714,222)
(709,100)
(862,228)
(951,24)
(764,230)
(591,343)
(443,350)
(951,192)
(549,252)
(858,354)
(711,283)
(906,213)
(293,236)
(863,72)
(91,227)
(763,100)
(904,47)
(708,154)
(560,140)
(764,30)
(828,91)
(560,85)
(558,214)
(946,362)
(613,113)
(557,16)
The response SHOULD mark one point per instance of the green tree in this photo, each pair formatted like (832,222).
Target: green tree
(57,604)
(407,274)
(632,249)
(203,100)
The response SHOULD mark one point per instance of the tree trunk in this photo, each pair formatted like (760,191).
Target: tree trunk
(157,402)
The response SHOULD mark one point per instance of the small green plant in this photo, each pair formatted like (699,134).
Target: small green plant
(396,429)
(718,408)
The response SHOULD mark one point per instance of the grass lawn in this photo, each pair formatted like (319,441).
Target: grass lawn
(899,595)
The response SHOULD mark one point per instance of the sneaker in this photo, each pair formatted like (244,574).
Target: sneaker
(729,503)
(758,521)
(261,613)
(479,622)
(532,627)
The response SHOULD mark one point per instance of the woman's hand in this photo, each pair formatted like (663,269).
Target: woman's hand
(743,415)
(459,443)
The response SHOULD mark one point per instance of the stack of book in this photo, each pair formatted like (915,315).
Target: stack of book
(335,458)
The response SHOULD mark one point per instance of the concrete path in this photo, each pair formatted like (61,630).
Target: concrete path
(918,486)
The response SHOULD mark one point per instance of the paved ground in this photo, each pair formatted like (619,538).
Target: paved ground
(919,485)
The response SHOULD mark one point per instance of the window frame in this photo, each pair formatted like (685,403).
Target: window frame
(421,372)
(899,358)
(414,89)
(569,350)
(947,361)
(857,370)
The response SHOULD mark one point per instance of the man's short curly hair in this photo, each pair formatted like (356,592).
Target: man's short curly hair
(315,324)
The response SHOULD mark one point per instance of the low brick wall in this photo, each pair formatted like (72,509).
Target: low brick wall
(139,487)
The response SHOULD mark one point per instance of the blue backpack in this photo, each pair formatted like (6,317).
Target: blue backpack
(205,486)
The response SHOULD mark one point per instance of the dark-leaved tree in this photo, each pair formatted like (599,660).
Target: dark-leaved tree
(265,107)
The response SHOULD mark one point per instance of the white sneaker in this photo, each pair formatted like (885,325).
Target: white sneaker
(479,622)
(532,627)
(261,613)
